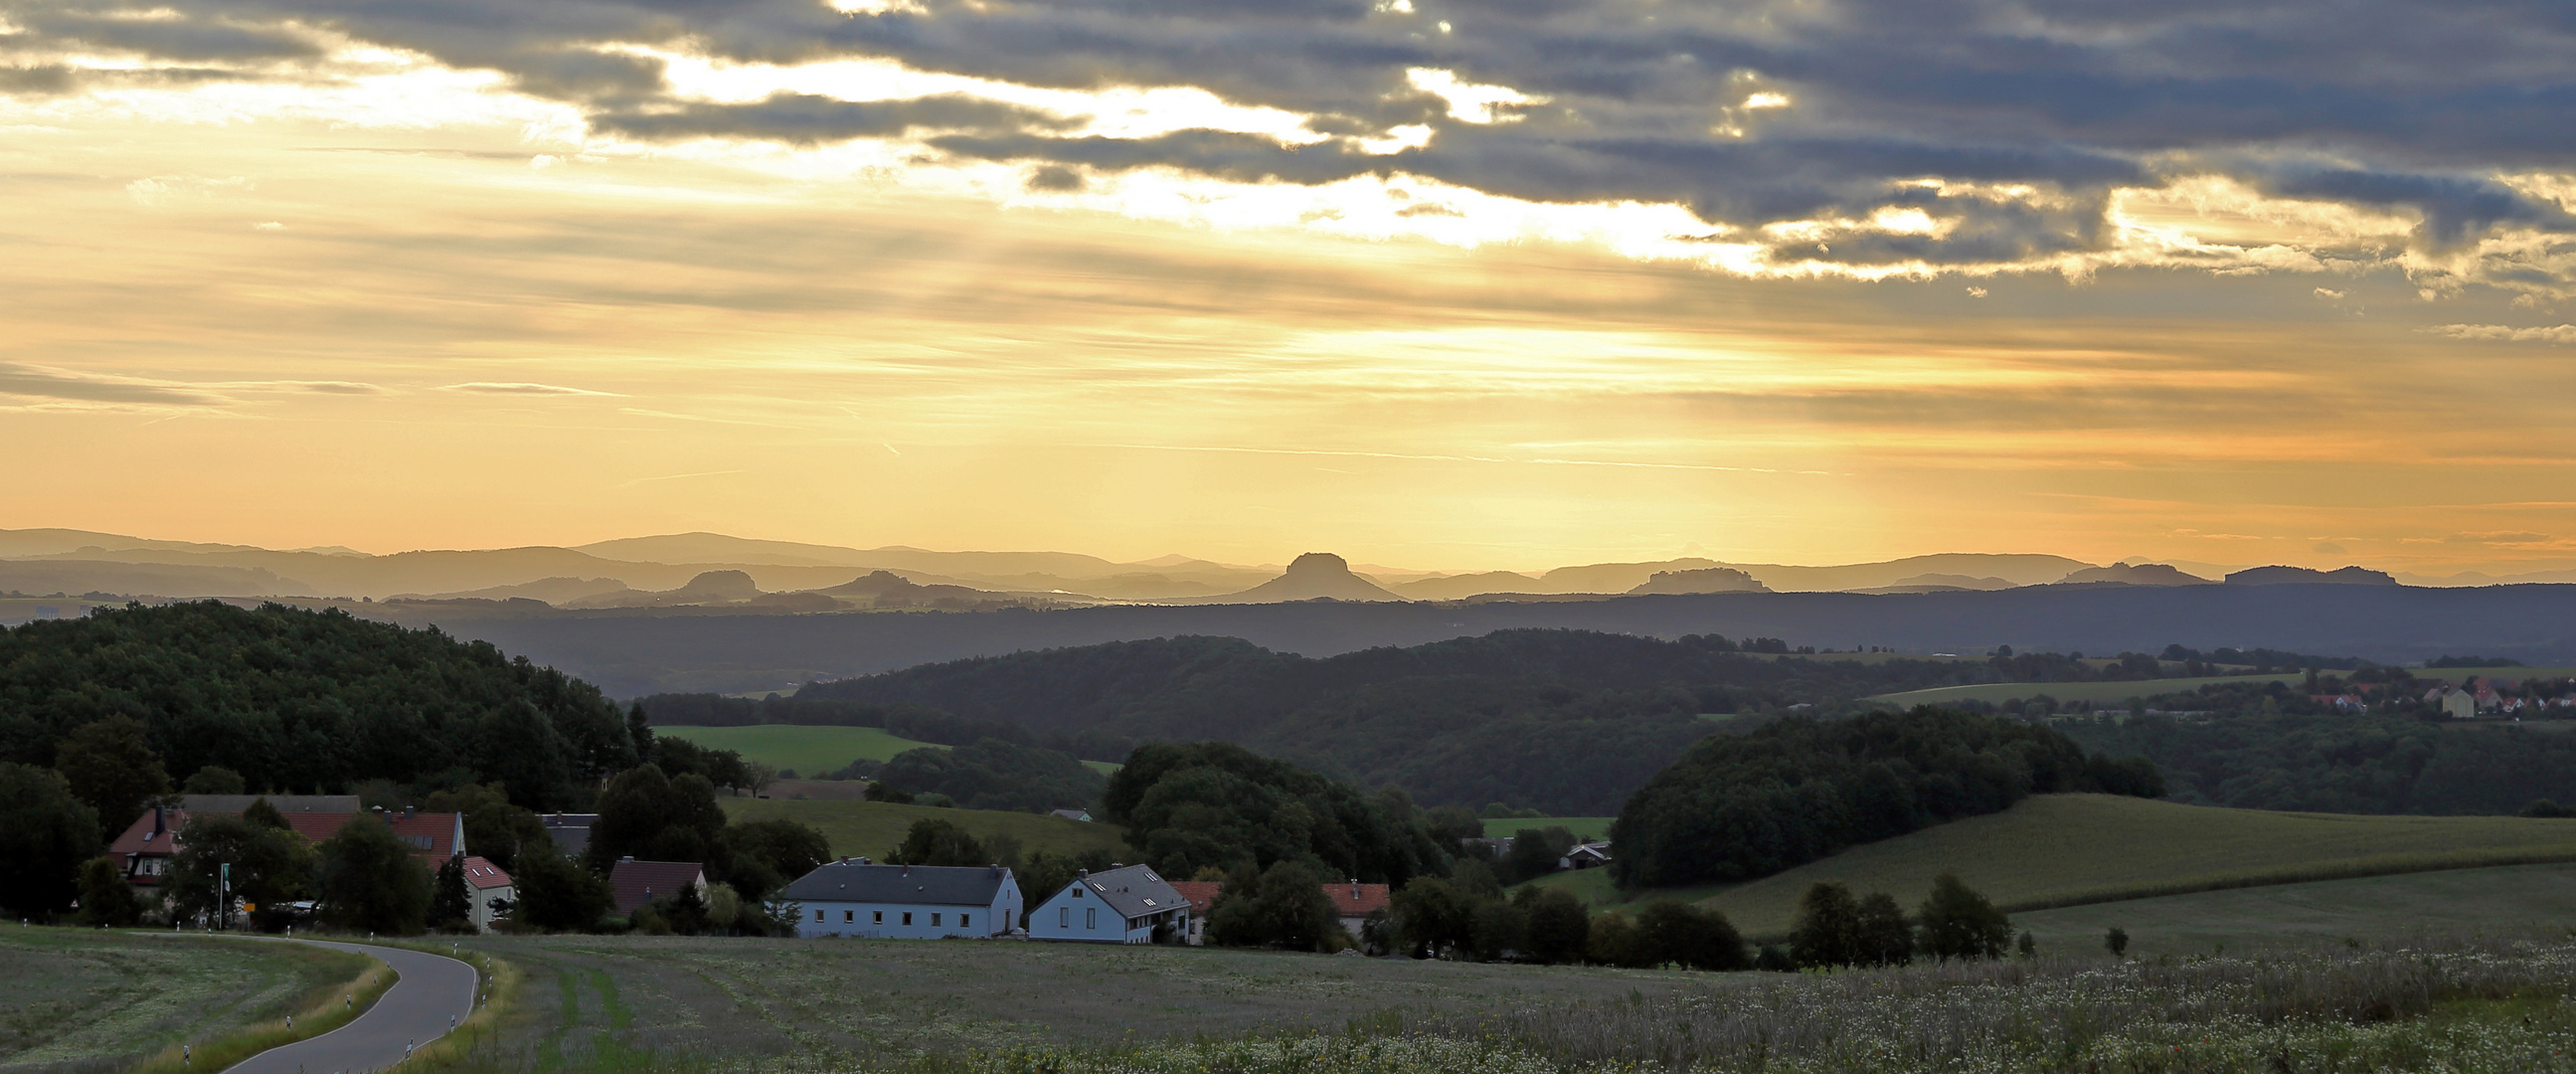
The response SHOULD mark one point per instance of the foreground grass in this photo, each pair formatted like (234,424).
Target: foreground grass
(869,829)
(2071,849)
(86,999)
(2485,1006)
(325,1007)
(2460,901)
(810,751)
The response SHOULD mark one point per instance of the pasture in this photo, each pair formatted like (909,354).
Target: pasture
(1582,827)
(2068,849)
(85,999)
(809,751)
(2507,900)
(858,828)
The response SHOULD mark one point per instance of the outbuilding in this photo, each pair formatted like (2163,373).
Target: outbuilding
(1123,905)
(852,897)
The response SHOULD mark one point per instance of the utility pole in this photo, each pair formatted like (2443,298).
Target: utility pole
(224,893)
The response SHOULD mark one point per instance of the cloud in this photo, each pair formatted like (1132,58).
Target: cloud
(47,383)
(2498,333)
(488,387)
(2008,127)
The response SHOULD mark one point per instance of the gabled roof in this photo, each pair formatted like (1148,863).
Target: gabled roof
(433,836)
(635,883)
(1133,891)
(926,885)
(1201,893)
(482,875)
(570,831)
(1356,899)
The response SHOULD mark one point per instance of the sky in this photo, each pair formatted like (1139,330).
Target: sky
(1501,284)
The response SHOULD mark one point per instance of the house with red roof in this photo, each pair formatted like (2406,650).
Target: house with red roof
(1202,895)
(634,883)
(1354,902)
(146,846)
(489,891)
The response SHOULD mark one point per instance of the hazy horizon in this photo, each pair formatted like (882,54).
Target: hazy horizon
(1450,286)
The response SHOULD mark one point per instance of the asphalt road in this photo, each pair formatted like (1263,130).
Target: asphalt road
(431,994)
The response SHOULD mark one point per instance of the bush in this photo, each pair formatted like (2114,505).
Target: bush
(1559,928)
(1693,937)
(369,880)
(106,900)
(1960,923)
(1283,907)
(556,894)
(45,834)
(653,817)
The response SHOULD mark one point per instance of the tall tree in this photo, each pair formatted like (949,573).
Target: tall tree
(647,815)
(1883,936)
(494,827)
(106,900)
(1960,923)
(45,833)
(223,854)
(938,842)
(109,766)
(1827,929)
(216,779)
(1559,927)
(370,881)
(451,899)
(556,894)
(762,856)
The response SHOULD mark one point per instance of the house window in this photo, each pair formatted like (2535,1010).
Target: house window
(1090,918)
(907,917)
(965,921)
(1064,917)
(848,916)
(934,921)
(878,918)
(1077,891)
(818,917)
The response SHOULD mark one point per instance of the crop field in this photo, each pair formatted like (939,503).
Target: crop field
(2067,849)
(759,998)
(603,1005)
(869,829)
(2509,900)
(808,750)
(1582,827)
(82,1000)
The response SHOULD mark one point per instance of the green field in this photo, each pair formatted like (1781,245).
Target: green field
(2113,693)
(2099,693)
(808,750)
(83,999)
(2506,899)
(1582,827)
(869,829)
(2065,849)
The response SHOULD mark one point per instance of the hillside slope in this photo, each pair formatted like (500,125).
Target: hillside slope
(2068,849)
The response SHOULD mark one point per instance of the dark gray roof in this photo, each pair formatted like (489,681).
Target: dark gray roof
(570,831)
(1133,891)
(934,885)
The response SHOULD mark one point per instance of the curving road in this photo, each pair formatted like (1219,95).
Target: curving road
(431,994)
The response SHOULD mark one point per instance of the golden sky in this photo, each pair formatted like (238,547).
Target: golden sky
(390,288)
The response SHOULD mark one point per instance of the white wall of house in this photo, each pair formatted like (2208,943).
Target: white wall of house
(911,921)
(483,914)
(1076,913)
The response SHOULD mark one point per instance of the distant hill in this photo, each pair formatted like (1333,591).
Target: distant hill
(2304,576)
(1461,586)
(1700,580)
(2133,574)
(632,654)
(1315,575)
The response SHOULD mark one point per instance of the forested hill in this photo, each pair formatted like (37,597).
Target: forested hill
(1568,722)
(303,701)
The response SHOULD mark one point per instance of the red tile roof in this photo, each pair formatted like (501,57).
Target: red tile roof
(1201,893)
(433,836)
(638,882)
(1355,899)
(482,875)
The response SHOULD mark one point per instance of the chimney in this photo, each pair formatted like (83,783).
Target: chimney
(406,812)
(629,857)
(907,868)
(1082,874)
(1355,887)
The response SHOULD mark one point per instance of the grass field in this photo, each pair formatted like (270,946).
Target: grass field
(2112,693)
(2507,899)
(808,750)
(1582,827)
(83,999)
(869,829)
(2064,849)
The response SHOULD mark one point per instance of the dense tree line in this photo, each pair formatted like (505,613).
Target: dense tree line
(994,774)
(1215,805)
(1565,721)
(1741,807)
(298,700)
(2326,762)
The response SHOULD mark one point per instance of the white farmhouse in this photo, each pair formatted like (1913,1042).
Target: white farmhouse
(1124,905)
(905,902)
